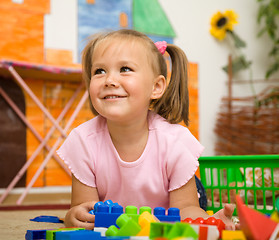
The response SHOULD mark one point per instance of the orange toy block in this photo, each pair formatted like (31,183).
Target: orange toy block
(233,235)
(254,224)
(145,219)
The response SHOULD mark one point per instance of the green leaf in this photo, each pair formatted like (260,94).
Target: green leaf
(261,32)
(273,68)
(238,64)
(274,51)
(238,42)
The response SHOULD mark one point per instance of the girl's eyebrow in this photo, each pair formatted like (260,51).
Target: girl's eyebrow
(128,62)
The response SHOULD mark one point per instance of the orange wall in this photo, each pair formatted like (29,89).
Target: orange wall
(193,99)
(22,30)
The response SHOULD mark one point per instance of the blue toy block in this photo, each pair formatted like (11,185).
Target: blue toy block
(173,214)
(35,234)
(78,235)
(106,214)
(51,219)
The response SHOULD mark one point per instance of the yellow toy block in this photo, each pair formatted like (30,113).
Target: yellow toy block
(275,216)
(233,235)
(145,219)
(210,212)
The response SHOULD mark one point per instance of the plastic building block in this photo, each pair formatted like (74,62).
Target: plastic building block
(35,234)
(209,221)
(132,211)
(206,232)
(159,229)
(127,227)
(173,214)
(77,235)
(255,225)
(145,219)
(195,221)
(51,219)
(50,233)
(210,212)
(275,234)
(233,235)
(107,212)
(106,215)
(108,203)
(275,216)
(182,230)
(168,231)
(101,230)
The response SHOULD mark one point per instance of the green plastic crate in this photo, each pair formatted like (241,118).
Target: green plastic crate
(225,176)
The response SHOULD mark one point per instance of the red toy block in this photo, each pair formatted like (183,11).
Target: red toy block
(216,222)
(206,232)
(209,221)
(254,224)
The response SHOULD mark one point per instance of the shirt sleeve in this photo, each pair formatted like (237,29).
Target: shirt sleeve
(183,160)
(76,154)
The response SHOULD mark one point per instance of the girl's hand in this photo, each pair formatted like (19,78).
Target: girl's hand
(225,215)
(79,216)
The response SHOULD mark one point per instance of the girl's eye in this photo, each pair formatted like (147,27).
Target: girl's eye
(125,69)
(99,71)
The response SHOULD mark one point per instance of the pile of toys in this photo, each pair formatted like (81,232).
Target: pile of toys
(113,223)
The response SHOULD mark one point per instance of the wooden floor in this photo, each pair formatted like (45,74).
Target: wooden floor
(38,199)
(14,224)
(15,220)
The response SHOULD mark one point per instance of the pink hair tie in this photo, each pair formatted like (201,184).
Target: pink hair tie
(162,46)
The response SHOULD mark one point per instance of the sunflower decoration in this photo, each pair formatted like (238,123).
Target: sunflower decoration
(222,26)
(221,23)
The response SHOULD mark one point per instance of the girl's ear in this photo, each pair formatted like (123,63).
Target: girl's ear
(159,87)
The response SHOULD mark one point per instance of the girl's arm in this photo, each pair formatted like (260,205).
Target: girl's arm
(186,199)
(83,200)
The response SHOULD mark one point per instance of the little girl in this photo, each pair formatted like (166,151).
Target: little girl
(134,152)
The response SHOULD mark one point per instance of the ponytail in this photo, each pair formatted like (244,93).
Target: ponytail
(174,104)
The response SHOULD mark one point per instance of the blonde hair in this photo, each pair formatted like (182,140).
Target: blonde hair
(174,104)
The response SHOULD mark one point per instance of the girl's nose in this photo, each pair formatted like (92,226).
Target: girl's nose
(111,82)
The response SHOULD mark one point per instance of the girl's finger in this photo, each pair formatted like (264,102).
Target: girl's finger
(89,218)
(228,210)
(86,225)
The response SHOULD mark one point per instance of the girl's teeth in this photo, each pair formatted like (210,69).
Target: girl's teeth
(111,97)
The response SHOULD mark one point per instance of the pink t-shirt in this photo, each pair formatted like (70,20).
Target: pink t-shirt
(169,160)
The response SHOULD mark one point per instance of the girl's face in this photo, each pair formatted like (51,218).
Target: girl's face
(122,82)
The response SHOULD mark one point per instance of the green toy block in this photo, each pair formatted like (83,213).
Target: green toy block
(132,211)
(145,209)
(180,229)
(127,227)
(50,233)
(159,229)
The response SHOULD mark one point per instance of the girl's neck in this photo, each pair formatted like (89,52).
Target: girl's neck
(129,139)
